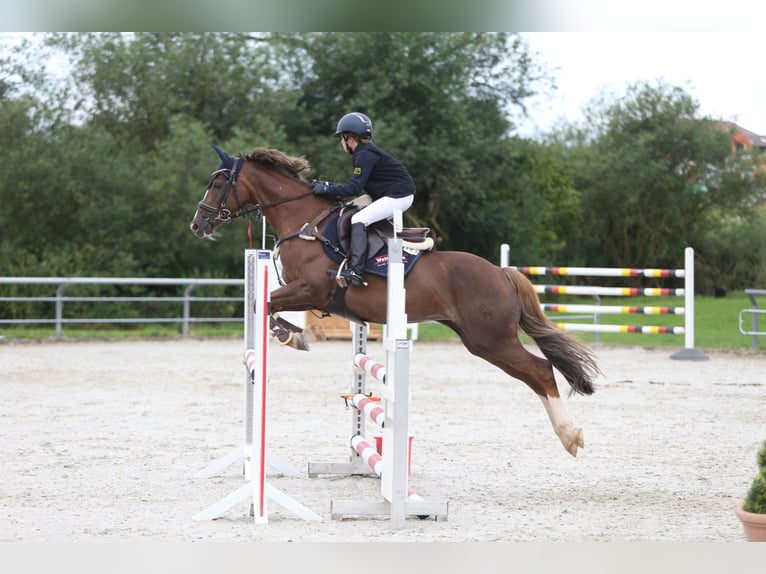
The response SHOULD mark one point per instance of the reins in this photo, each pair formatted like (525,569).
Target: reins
(285,200)
(310,231)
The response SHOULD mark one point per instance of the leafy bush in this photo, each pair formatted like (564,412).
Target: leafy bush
(755,501)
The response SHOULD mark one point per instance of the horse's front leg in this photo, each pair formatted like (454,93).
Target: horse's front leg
(286,333)
(294,297)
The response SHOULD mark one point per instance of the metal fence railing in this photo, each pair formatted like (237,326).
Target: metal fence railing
(57,317)
(755,331)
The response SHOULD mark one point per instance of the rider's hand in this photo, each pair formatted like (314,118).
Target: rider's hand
(321,187)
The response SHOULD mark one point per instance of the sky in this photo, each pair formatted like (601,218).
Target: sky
(723,71)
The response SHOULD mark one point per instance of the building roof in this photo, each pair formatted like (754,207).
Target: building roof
(745,137)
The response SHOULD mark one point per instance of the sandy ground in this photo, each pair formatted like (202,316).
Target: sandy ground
(101,441)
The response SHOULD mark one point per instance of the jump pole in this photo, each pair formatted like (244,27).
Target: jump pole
(257,490)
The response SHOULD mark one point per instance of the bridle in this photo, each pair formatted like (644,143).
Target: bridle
(212,212)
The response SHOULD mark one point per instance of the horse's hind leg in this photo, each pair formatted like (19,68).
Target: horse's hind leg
(569,435)
(507,353)
(537,373)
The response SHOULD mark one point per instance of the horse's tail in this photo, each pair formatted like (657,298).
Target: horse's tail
(568,355)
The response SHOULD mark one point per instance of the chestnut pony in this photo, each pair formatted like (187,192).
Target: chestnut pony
(484,304)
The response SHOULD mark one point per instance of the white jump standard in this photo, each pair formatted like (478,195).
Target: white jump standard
(398,500)
(253,452)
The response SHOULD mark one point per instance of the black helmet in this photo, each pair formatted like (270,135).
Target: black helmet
(355,123)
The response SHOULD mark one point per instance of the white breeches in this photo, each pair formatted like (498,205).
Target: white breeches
(382,208)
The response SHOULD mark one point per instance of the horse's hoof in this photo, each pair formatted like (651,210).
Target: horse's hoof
(283,337)
(576,442)
(299,342)
(290,339)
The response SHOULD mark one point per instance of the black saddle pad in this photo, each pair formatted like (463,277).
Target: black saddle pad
(378,264)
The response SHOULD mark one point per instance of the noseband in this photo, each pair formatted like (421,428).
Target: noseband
(212,212)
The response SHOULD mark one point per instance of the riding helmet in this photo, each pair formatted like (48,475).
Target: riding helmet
(355,123)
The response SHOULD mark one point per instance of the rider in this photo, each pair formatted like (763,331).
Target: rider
(378,173)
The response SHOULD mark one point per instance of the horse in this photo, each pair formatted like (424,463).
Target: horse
(484,304)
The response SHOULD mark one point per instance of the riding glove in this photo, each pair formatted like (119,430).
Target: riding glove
(322,187)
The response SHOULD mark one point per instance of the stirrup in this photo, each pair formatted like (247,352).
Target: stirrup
(352,277)
(346,275)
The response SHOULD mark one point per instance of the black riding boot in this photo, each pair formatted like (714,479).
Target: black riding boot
(357,253)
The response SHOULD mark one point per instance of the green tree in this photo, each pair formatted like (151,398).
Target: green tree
(116,144)
(654,178)
(133,84)
(115,156)
(438,102)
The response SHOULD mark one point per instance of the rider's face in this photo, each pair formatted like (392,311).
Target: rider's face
(348,142)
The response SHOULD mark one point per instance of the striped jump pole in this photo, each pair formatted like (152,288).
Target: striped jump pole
(643,329)
(355,465)
(378,416)
(256,358)
(687,291)
(372,457)
(370,366)
(607,291)
(612,309)
(371,408)
(602,271)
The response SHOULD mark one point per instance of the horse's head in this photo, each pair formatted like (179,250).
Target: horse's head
(270,180)
(221,201)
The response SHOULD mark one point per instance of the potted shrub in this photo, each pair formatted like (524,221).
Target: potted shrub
(752,511)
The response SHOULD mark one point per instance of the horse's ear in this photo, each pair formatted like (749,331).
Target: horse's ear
(223,155)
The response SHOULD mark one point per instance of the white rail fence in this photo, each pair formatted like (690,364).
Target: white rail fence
(686,273)
(58,317)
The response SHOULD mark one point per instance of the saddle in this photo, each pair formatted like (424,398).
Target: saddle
(378,234)
(335,237)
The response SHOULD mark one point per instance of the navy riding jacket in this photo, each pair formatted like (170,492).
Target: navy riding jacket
(377,172)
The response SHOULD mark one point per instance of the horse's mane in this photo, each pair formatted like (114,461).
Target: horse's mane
(293,166)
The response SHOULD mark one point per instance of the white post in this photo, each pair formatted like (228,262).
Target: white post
(505,251)
(396,428)
(260,374)
(689,298)
(244,453)
(249,343)
(689,353)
